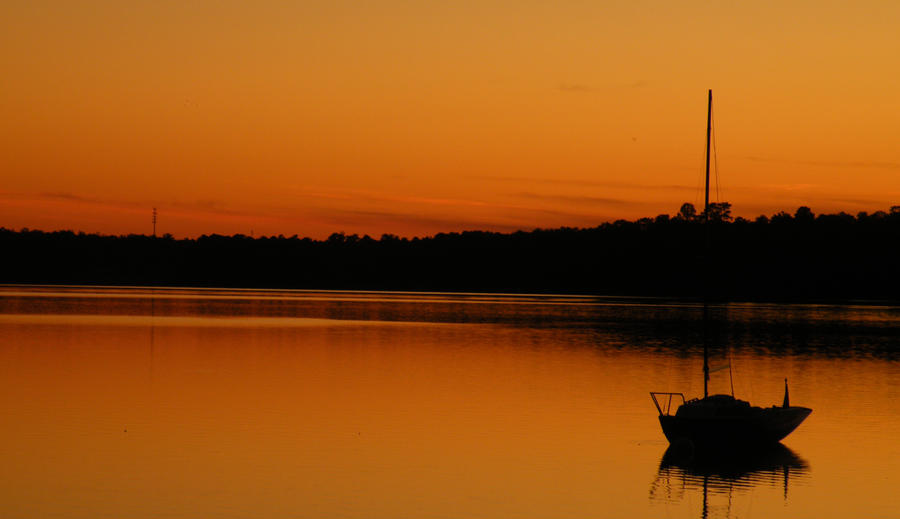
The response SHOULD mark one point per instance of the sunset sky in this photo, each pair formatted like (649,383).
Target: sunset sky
(416,117)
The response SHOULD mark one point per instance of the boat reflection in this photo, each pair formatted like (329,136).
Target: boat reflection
(717,478)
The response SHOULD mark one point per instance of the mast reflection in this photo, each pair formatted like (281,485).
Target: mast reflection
(718,477)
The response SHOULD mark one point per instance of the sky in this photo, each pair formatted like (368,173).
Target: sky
(417,117)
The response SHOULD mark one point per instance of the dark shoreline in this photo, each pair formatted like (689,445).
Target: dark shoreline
(839,259)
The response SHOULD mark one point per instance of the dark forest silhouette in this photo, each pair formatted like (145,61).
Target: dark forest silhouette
(800,256)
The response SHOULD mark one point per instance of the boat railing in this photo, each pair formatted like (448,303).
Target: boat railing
(666,407)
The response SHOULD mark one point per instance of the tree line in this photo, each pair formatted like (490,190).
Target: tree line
(800,257)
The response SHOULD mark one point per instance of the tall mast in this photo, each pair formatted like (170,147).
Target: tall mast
(706,256)
(706,199)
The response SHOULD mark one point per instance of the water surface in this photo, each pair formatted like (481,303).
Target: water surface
(134,402)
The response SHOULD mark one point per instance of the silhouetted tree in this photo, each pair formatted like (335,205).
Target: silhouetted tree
(780,217)
(804,214)
(687,213)
(719,212)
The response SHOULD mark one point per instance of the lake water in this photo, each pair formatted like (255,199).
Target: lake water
(127,402)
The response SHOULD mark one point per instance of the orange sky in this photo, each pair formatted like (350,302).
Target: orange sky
(415,117)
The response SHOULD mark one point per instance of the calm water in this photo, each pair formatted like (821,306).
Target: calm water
(224,403)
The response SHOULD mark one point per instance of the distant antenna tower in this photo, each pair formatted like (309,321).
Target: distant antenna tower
(154,222)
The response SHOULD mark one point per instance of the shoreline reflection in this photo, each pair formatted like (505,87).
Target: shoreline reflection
(716,478)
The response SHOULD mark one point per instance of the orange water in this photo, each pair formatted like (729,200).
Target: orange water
(193,403)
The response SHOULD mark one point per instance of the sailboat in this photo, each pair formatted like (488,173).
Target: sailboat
(722,420)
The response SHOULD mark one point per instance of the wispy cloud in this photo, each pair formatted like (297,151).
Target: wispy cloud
(783,187)
(353,220)
(584,88)
(501,217)
(62,196)
(214,207)
(378,197)
(804,193)
(203,207)
(570,87)
(855,201)
(829,163)
(585,183)
(578,199)
(66,196)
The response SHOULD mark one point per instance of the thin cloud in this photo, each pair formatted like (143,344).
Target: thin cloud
(429,212)
(503,218)
(784,187)
(81,199)
(805,193)
(581,200)
(207,207)
(585,183)
(829,163)
(353,218)
(213,207)
(583,88)
(567,87)
(369,196)
(66,196)
(855,201)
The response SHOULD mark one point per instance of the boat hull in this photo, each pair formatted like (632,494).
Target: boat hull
(766,426)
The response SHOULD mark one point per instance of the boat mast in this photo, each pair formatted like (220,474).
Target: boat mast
(706,253)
